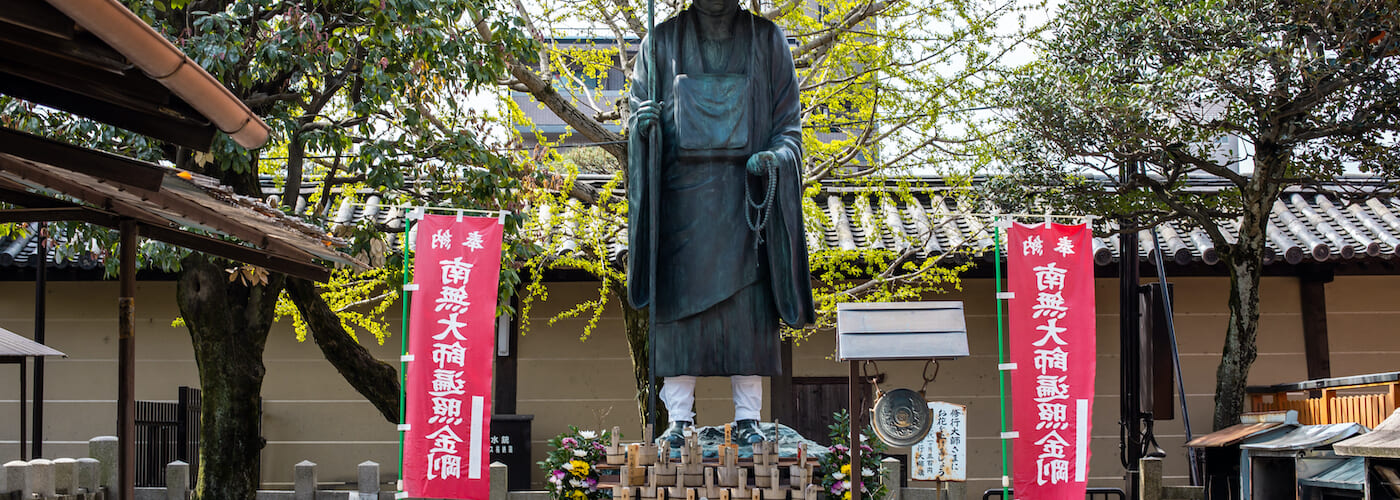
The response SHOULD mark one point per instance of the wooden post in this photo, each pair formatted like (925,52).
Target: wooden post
(126,363)
(1326,416)
(1312,302)
(780,396)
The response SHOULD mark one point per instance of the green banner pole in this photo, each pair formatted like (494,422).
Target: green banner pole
(1001,353)
(403,340)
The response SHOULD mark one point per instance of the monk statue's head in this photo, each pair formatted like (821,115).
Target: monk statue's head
(717,8)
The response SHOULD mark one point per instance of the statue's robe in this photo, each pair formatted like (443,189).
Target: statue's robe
(719,295)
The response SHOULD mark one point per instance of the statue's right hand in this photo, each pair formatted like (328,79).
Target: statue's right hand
(647,115)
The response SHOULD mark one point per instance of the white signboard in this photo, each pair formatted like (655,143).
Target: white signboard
(942,455)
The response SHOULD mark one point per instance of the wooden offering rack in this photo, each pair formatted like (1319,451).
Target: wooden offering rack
(643,471)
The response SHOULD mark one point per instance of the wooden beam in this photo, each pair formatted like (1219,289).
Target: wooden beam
(37,15)
(1312,301)
(234,251)
(45,31)
(16,194)
(80,214)
(126,362)
(106,166)
(780,397)
(88,99)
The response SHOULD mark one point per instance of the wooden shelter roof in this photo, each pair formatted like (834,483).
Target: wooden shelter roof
(42,175)
(15,345)
(97,59)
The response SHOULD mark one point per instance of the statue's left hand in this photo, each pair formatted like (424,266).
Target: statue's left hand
(761,161)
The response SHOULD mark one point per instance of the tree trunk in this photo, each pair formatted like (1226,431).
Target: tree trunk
(635,323)
(228,324)
(376,380)
(1245,259)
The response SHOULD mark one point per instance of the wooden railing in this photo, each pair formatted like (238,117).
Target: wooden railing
(1363,399)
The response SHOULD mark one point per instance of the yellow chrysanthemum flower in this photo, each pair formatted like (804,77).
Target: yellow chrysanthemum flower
(846,496)
(846,469)
(578,495)
(580,468)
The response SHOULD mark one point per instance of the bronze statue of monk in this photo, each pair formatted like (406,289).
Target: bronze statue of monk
(727,241)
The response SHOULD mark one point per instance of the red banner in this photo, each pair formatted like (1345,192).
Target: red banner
(1050,271)
(452,338)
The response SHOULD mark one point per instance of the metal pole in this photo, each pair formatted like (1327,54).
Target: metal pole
(1001,356)
(855,415)
(1176,356)
(1131,440)
(403,347)
(23,417)
(41,286)
(653,208)
(126,363)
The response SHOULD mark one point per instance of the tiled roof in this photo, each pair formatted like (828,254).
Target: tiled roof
(1304,226)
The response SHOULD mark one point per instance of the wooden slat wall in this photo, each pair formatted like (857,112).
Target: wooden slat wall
(1365,409)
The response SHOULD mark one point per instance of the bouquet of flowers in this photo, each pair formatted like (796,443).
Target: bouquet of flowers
(835,472)
(571,466)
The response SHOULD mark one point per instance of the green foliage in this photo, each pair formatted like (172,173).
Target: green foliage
(1310,89)
(573,235)
(885,87)
(360,300)
(834,470)
(571,466)
(364,98)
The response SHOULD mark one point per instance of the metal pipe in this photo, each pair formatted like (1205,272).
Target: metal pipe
(1176,362)
(1130,444)
(653,188)
(23,417)
(126,363)
(1001,359)
(41,287)
(403,345)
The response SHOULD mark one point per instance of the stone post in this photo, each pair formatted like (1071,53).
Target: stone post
(41,477)
(890,472)
(304,481)
(65,476)
(17,479)
(369,480)
(500,481)
(104,449)
(1150,480)
(88,473)
(177,480)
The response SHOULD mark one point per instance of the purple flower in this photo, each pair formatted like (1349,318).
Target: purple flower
(836,488)
(592,483)
(598,446)
(559,474)
(840,448)
(865,448)
(568,442)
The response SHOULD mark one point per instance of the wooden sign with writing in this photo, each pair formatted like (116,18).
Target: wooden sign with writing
(942,455)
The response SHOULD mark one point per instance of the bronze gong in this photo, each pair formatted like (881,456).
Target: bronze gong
(901,418)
